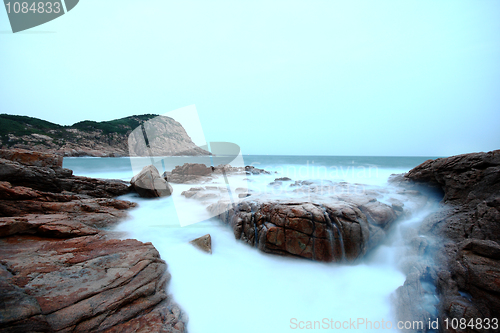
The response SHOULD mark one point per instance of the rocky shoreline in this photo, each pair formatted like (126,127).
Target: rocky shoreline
(60,270)
(464,265)
(452,265)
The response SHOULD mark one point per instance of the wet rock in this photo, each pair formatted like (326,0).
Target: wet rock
(60,271)
(56,179)
(282,179)
(467,232)
(379,213)
(32,158)
(19,201)
(191,173)
(251,170)
(194,169)
(149,184)
(335,231)
(203,243)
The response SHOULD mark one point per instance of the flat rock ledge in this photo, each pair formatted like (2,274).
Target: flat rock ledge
(60,271)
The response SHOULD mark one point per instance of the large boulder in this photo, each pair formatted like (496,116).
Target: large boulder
(335,231)
(326,221)
(149,184)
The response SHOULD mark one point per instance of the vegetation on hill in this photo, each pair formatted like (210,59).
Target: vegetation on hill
(121,126)
(19,126)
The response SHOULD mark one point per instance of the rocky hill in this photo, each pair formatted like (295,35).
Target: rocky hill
(90,138)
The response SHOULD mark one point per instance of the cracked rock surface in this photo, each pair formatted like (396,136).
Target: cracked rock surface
(60,271)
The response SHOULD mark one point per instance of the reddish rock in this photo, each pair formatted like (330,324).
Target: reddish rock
(82,284)
(330,232)
(32,158)
(59,272)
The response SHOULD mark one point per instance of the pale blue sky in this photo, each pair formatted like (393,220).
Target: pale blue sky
(276,77)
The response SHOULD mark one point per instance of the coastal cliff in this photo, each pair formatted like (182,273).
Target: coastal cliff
(463,251)
(90,138)
(60,269)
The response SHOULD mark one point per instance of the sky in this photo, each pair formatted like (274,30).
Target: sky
(309,77)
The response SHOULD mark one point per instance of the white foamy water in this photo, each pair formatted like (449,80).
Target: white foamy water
(238,288)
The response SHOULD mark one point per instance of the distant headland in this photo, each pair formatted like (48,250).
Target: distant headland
(90,138)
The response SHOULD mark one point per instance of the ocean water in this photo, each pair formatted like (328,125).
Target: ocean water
(240,289)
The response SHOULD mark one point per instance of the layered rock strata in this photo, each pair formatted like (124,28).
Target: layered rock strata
(59,270)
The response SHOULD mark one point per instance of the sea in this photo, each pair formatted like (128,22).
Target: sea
(238,289)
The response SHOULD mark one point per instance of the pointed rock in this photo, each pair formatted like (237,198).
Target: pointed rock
(203,243)
(149,184)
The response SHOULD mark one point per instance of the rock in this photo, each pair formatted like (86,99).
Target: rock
(149,184)
(57,179)
(379,213)
(322,224)
(466,233)
(20,200)
(59,271)
(464,178)
(82,284)
(335,231)
(282,179)
(251,170)
(203,243)
(32,158)
(194,169)
(189,173)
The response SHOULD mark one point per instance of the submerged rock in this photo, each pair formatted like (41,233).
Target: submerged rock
(203,243)
(251,170)
(282,179)
(149,184)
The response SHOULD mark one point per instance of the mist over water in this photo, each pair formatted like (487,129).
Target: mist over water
(240,289)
